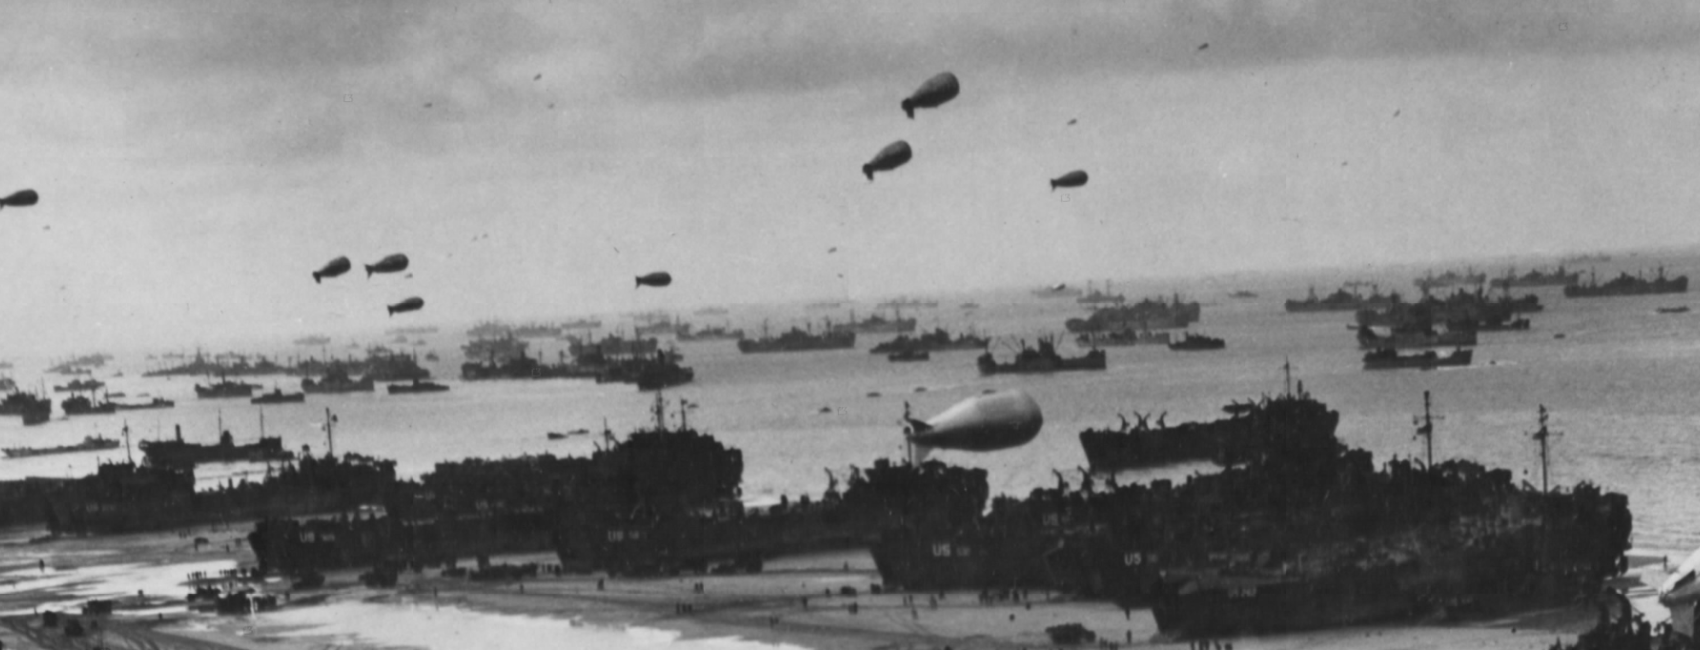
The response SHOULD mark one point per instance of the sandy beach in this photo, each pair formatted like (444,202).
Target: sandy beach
(796,601)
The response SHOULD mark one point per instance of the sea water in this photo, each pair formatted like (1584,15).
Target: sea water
(1619,385)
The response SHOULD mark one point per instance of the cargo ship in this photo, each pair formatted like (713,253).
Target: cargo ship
(1390,359)
(1627,285)
(937,340)
(1144,315)
(797,340)
(1042,359)
(177,453)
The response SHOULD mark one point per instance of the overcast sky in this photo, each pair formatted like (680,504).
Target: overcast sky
(197,160)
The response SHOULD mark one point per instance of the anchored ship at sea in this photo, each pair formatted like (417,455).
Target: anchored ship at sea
(1345,298)
(937,340)
(1057,291)
(1470,277)
(1390,359)
(89,443)
(1557,277)
(1100,297)
(1041,360)
(797,340)
(1143,315)
(1628,285)
(1122,337)
(876,324)
(1414,337)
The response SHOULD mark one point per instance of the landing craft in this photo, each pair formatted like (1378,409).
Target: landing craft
(411,304)
(20,199)
(889,158)
(986,422)
(932,93)
(392,264)
(1074,178)
(332,269)
(656,279)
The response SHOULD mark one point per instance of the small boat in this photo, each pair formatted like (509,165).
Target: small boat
(416,387)
(277,396)
(908,355)
(1242,294)
(554,435)
(78,385)
(1673,310)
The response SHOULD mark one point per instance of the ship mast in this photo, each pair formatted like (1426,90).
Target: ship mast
(1287,369)
(127,455)
(1426,428)
(330,439)
(1542,436)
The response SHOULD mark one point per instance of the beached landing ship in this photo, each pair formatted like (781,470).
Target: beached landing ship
(1041,359)
(1243,436)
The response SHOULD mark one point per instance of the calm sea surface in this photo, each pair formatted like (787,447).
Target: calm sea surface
(1620,386)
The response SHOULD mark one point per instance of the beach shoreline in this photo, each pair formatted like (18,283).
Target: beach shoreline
(765,608)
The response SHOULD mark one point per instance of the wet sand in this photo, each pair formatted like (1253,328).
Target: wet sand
(768,607)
